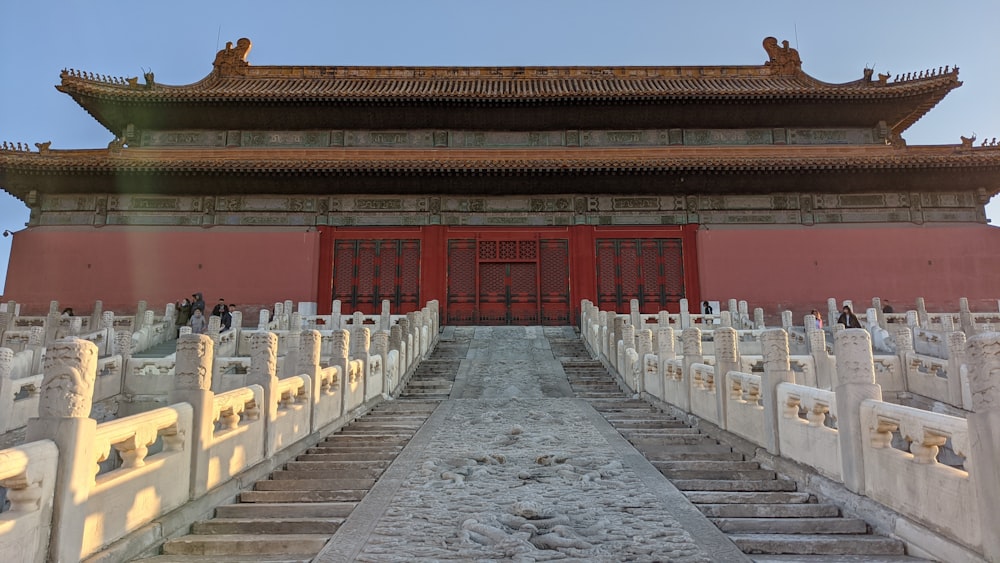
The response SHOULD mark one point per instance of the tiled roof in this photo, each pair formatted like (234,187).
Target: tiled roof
(335,161)
(500,85)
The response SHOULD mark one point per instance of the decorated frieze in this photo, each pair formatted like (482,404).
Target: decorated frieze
(196,138)
(376,210)
(426,138)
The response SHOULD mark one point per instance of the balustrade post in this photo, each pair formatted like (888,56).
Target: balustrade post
(832,311)
(664,352)
(923,321)
(380,348)
(685,314)
(264,319)
(264,372)
(777,370)
(140,313)
(385,316)
(983,353)
(361,350)
(340,343)
(36,343)
(95,316)
(52,324)
(733,307)
(213,330)
(413,327)
(627,366)
(725,319)
(336,316)
(644,347)
(727,359)
(396,343)
(855,384)
(744,317)
(758,318)
(635,318)
(821,358)
(307,362)
(956,357)
(787,320)
(691,347)
(193,385)
(620,321)
(291,352)
(406,353)
(68,379)
(965,317)
(879,315)
(5,320)
(7,390)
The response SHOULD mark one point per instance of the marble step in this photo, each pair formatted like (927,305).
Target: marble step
(824,526)
(371,455)
(362,467)
(681,455)
(286,510)
(817,544)
(734,485)
(302,496)
(220,526)
(280,484)
(247,544)
(770,558)
(718,475)
(686,451)
(329,449)
(314,474)
(640,438)
(769,510)
(745,497)
(367,440)
(705,465)
(225,559)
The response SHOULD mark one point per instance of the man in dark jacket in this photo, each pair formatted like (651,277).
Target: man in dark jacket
(199,303)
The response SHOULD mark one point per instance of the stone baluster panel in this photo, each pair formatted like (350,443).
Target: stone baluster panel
(264,372)
(635,319)
(832,311)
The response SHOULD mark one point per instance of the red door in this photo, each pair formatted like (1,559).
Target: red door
(495,281)
(649,270)
(368,271)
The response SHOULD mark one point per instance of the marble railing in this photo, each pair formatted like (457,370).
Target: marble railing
(154,462)
(847,433)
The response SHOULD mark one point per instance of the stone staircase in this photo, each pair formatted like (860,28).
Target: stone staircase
(291,515)
(763,513)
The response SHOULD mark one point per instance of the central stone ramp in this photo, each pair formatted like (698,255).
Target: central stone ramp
(515,468)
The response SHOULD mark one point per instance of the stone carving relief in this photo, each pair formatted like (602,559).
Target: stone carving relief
(194,362)
(854,356)
(69,374)
(983,352)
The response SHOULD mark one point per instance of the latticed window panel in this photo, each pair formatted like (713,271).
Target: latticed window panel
(527,249)
(507,250)
(367,271)
(650,270)
(523,281)
(487,249)
(492,286)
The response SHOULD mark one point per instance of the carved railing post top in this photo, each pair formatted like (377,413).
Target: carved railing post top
(194,362)
(983,354)
(69,375)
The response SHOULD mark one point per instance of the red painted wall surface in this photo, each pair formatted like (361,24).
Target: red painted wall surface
(798,268)
(122,265)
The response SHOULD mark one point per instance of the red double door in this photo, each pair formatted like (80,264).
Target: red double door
(509,277)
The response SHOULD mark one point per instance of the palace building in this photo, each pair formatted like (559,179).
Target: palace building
(507,193)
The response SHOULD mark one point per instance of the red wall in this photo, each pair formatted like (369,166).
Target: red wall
(122,265)
(798,268)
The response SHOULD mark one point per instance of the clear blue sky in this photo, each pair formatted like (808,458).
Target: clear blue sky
(178,41)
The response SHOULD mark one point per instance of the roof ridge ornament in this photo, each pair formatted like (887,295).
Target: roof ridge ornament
(783,59)
(233,60)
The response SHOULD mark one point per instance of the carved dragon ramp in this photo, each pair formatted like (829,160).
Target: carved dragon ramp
(515,467)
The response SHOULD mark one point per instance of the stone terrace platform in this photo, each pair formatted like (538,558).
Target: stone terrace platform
(515,467)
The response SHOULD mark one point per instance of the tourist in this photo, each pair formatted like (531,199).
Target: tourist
(198,303)
(848,318)
(227,316)
(707,308)
(198,323)
(183,314)
(219,308)
(819,318)
(67,312)
(887,308)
